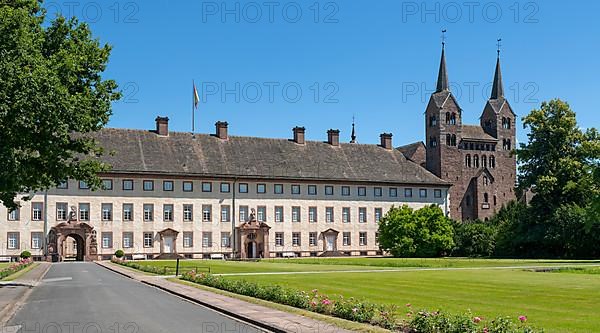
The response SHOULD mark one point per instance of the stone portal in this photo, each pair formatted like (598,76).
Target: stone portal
(80,233)
(253,239)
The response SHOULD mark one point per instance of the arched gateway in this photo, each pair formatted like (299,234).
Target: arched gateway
(83,235)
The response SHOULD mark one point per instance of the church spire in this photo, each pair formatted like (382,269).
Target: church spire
(353,136)
(442,82)
(497,87)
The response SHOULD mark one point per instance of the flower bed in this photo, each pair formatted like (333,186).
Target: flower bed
(141,267)
(13,268)
(386,316)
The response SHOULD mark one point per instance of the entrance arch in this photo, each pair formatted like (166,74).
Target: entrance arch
(73,247)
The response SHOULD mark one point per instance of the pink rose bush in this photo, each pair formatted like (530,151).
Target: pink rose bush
(15,267)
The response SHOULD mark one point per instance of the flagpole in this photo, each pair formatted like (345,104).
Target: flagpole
(193,102)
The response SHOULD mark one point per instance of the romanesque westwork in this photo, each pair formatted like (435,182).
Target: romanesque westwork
(174,194)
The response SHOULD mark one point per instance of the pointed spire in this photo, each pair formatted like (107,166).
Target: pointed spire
(353,136)
(497,87)
(442,82)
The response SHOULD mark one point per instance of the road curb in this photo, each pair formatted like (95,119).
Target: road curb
(236,316)
(9,311)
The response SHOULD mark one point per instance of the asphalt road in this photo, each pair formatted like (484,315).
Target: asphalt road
(84,297)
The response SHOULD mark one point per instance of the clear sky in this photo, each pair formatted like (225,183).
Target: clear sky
(266,66)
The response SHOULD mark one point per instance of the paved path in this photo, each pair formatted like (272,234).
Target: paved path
(84,297)
(276,320)
(12,292)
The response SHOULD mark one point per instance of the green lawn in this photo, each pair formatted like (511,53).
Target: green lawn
(4,265)
(555,302)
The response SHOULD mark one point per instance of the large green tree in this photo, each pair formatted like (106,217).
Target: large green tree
(559,158)
(426,232)
(51,94)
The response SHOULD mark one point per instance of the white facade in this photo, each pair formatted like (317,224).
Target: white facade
(203,234)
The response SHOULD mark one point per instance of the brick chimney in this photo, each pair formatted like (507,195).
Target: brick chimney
(333,137)
(386,140)
(221,130)
(299,135)
(162,126)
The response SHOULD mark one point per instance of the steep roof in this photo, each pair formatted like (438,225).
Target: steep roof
(137,151)
(442,81)
(476,132)
(410,149)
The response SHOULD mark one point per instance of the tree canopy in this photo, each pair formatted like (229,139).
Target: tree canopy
(51,92)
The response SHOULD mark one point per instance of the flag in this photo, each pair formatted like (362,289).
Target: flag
(196,97)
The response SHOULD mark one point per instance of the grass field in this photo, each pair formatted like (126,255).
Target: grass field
(4,265)
(556,302)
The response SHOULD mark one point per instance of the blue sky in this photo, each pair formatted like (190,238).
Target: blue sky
(267,66)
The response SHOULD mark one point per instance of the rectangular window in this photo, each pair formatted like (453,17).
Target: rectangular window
(362,191)
(107,240)
(107,184)
(127,185)
(261,213)
(437,193)
(207,239)
(61,211)
(243,188)
(393,192)
(346,190)
(295,189)
(63,185)
(423,193)
(148,185)
(225,187)
(188,239)
(243,216)
(279,239)
(312,189)
(408,192)
(278,188)
(13,241)
(261,188)
(128,240)
(377,191)
(148,212)
(225,213)
(83,185)
(377,238)
(168,213)
(148,239)
(225,239)
(127,212)
(312,239)
(346,239)
(362,215)
(37,209)
(295,239)
(328,190)
(206,213)
(378,214)
(206,187)
(312,214)
(168,185)
(188,186)
(84,212)
(278,214)
(295,214)
(346,215)
(15,214)
(362,238)
(329,214)
(37,240)
(107,212)
(188,213)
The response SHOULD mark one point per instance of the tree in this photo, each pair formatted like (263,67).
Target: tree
(422,233)
(559,159)
(474,239)
(51,94)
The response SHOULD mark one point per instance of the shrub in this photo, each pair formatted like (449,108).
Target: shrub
(25,255)
(13,268)
(119,254)
(474,239)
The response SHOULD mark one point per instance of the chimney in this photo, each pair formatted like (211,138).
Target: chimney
(386,140)
(221,130)
(333,137)
(162,126)
(299,135)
